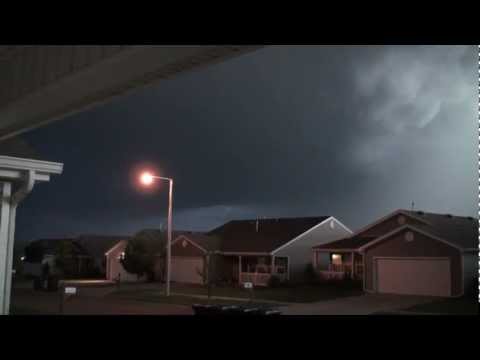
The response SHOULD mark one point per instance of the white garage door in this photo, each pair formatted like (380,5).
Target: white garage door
(429,277)
(185,270)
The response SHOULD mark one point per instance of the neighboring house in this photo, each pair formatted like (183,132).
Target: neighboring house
(155,240)
(407,252)
(114,269)
(245,250)
(190,256)
(97,246)
(42,254)
(254,250)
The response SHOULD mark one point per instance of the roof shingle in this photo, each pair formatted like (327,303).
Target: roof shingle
(458,230)
(262,235)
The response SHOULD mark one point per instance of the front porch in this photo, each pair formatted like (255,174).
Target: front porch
(340,265)
(259,269)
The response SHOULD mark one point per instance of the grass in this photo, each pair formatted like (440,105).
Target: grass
(284,294)
(156,297)
(292,293)
(15,310)
(460,306)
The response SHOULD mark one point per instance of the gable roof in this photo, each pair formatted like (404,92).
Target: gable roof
(459,231)
(35,250)
(98,245)
(19,148)
(206,242)
(262,235)
(349,243)
(156,239)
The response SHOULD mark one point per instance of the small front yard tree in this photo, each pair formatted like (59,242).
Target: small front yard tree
(142,252)
(210,272)
(65,255)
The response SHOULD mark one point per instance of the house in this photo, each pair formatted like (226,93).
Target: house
(41,258)
(407,252)
(155,243)
(114,269)
(97,246)
(244,250)
(254,250)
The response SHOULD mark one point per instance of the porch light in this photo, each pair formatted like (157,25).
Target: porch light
(336,257)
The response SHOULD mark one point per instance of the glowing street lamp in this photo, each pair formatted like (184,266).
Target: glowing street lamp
(147,179)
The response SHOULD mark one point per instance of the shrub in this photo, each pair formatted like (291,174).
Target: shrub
(274,282)
(310,274)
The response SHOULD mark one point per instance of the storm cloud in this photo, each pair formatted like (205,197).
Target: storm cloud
(348,131)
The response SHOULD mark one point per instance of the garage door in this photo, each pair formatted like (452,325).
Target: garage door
(184,270)
(429,277)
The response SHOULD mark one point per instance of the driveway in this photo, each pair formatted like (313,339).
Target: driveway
(356,305)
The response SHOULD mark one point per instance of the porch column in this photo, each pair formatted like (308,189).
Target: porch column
(315,259)
(239,269)
(272,265)
(353,265)
(5,193)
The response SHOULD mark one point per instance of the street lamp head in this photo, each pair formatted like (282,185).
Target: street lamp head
(146,178)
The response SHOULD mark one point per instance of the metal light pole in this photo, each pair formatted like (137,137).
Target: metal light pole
(169,236)
(147,179)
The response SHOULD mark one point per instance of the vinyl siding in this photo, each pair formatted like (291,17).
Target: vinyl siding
(300,252)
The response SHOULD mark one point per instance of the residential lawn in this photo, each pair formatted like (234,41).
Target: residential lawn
(300,293)
(461,306)
(156,297)
(15,310)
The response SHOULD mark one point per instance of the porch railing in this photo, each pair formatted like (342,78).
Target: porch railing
(340,271)
(258,279)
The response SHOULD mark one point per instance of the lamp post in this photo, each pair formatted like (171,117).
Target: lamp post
(147,179)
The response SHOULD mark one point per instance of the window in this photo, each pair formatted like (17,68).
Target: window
(336,259)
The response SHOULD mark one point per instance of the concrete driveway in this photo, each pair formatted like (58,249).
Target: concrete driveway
(357,305)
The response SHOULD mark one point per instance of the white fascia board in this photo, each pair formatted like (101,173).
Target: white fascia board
(301,235)
(243,253)
(39,166)
(336,250)
(342,225)
(114,247)
(386,217)
(186,238)
(362,248)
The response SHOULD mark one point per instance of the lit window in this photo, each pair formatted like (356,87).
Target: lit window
(336,259)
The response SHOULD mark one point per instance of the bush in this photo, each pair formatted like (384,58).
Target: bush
(311,275)
(274,282)
(471,288)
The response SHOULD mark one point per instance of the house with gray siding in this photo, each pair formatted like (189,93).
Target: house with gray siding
(255,250)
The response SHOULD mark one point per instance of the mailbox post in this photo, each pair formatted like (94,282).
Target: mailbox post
(249,287)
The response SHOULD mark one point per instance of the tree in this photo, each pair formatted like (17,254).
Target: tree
(143,251)
(209,272)
(65,255)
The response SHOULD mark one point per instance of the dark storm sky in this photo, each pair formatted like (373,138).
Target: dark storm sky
(352,132)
